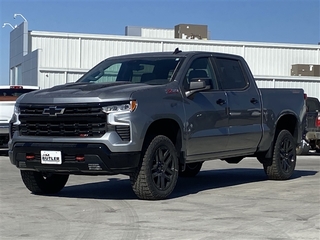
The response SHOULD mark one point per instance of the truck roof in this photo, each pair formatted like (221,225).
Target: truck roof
(177,54)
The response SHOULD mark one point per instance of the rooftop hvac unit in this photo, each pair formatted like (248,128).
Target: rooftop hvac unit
(191,31)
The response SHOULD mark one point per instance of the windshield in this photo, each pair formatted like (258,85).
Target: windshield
(154,71)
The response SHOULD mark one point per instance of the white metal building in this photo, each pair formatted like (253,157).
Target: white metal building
(46,59)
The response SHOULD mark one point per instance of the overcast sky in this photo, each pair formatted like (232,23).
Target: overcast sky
(279,21)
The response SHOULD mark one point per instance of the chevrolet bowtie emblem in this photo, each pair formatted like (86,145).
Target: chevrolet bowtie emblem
(53,111)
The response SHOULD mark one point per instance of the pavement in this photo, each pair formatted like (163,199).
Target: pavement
(224,202)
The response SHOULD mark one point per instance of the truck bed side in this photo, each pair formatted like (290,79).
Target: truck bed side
(277,103)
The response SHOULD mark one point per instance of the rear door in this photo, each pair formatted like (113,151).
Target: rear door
(244,105)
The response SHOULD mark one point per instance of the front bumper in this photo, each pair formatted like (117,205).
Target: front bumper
(98,159)
(4,128)
(4,136)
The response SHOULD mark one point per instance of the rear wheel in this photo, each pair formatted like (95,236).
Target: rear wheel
(191,170)
(283,162)
(158,174)
(299,150)
(302,149)
(43,183)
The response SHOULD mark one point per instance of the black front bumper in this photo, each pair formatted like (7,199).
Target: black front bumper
(4,136)
(98,159)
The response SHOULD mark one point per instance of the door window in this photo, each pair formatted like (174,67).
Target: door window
(201,68)
(231,75)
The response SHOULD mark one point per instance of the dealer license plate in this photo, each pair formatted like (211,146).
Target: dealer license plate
(51,157)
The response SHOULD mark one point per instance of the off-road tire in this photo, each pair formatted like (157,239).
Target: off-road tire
(191,170)
(43,183)
(283,162)
(158,174)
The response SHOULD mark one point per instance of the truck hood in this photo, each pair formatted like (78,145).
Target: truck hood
(84,92)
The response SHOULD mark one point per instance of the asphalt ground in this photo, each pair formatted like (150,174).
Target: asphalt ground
(222,202)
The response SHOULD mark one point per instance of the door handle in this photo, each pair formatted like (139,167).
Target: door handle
(220,101)
(253,100)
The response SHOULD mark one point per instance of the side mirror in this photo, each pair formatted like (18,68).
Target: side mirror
(197,85)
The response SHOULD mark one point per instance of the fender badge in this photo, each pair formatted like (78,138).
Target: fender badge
(172,90)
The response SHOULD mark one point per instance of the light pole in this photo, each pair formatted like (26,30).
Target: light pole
(7,24)
(18,14)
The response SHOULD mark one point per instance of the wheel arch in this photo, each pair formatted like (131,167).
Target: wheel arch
(286,121)
(170,128)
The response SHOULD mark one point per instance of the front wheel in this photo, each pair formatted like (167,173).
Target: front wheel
(283,162)
(43,183)
(158,174)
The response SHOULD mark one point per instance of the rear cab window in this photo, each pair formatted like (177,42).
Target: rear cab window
(313,105)
(12,93)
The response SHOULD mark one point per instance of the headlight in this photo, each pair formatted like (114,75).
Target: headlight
(15,116)
(16,110)
(126,107)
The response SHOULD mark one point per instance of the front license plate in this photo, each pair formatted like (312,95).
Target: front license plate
(51,157)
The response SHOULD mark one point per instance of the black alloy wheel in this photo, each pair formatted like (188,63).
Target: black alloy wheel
(162,171)
(158,173)
(284,157)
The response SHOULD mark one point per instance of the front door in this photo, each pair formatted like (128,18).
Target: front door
(207,120)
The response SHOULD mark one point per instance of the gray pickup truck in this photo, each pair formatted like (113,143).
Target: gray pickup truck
(154,117)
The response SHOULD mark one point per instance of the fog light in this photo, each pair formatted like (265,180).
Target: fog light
(80,158)
(30,156)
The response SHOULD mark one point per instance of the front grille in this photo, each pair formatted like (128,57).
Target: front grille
(4,140)
(80,121)
(12,129)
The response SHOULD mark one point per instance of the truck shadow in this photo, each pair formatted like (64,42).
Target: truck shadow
(312,153)
(119,188)
(223,178)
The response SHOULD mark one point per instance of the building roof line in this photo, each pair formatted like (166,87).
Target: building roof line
(174,40)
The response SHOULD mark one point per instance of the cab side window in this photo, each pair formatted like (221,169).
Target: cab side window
(231,74)
(201,68)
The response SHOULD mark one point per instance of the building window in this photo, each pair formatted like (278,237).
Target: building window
(12,76)
(16,75)
(19,75)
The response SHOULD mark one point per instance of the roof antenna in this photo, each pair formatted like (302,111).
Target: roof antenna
(176,51)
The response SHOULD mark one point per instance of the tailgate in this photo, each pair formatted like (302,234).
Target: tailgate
(311,122)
